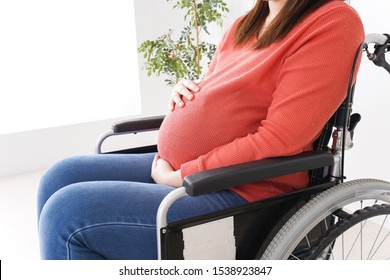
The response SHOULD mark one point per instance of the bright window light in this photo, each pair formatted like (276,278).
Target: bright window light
(66,61)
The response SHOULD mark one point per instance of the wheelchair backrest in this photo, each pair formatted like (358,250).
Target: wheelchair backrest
(339,125)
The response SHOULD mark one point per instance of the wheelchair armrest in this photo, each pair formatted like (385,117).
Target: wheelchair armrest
(138,125)
(129,126)
(230,176)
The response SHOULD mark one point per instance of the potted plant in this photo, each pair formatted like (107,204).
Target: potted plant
(185,56)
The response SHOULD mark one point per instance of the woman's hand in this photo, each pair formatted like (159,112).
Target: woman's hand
(184,88)
(164,174)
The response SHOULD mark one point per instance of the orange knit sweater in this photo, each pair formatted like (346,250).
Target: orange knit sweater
(256,104)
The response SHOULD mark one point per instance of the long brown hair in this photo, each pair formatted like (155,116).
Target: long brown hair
(292,12)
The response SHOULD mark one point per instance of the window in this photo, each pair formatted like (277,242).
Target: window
(65,62)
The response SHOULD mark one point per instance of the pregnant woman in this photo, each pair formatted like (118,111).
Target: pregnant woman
(278,75)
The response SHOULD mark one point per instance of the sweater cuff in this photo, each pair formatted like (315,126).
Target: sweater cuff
(189,168)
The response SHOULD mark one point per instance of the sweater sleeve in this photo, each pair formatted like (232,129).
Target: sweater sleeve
(312,84)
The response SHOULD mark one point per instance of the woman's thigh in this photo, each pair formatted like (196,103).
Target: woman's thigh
(114,220)
(112,167)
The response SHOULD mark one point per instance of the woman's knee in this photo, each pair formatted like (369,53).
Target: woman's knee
(66,171)
(67,210)
(52,225)
(57,176)
(90,211)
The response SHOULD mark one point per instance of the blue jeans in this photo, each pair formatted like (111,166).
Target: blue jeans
(104,207)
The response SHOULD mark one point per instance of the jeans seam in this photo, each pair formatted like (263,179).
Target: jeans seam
(99,225)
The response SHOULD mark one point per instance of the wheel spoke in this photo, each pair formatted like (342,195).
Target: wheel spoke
(380,245)
(376,239)
(356,239)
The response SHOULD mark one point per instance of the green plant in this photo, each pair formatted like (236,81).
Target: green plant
(184,57)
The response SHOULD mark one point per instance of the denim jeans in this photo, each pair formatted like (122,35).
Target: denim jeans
(104,207)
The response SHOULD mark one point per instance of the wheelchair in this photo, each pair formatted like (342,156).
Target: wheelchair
(330,219)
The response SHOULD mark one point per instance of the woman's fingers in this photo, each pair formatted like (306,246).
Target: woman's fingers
(184,88)
(190,85)
(176,99)
(156,157)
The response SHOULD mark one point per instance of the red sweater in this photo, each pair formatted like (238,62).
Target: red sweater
(256,104)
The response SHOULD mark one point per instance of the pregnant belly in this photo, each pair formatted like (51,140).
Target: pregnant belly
(201,126)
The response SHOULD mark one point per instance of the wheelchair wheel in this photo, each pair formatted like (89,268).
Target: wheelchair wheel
(329,217)
(357,235)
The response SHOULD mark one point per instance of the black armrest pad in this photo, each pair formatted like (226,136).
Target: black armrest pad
(230,176)
(138,125)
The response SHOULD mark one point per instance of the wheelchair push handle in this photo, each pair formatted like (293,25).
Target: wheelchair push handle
(382,45)
(376,38)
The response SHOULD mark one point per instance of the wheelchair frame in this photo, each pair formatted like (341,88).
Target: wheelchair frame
(297,217)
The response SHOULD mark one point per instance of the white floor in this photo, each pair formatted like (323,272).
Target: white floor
(18,231)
